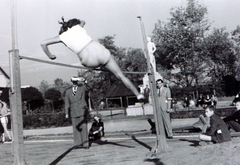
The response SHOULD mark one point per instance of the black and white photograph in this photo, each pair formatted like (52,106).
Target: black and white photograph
(120,82)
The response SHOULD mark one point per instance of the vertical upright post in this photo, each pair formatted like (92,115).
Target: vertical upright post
(161,142)
(16,111)
(15,97)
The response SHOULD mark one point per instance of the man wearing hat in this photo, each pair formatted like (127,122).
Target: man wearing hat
(233,121)
(76,104)
(164,97)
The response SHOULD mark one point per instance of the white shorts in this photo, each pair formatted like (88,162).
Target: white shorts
(4,120)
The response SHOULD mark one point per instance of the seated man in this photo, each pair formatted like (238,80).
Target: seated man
(97,129)
(233,121)
(217,131)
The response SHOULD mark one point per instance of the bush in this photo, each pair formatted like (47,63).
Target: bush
(222,112)
(45,120)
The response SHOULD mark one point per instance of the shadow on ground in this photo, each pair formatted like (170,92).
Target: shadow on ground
(154,160)
(104,142)
(195,143)
(61,157)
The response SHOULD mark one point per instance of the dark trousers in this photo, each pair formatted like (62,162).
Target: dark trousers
(80,131)
(234,125)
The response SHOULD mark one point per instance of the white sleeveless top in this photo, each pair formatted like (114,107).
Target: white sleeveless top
(75,38)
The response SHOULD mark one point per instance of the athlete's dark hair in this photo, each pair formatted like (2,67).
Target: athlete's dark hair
(68,24)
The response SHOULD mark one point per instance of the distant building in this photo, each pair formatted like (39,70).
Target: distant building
(119,94)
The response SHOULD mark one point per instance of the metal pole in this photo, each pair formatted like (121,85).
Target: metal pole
(15,96)
(161,142)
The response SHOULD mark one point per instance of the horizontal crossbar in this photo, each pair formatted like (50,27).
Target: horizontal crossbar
(72,66)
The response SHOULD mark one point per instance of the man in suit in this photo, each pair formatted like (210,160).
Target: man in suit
(146,94)
(164,97)
(75,103)
(218,131)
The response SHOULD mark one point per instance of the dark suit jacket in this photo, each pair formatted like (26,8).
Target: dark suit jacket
(216,124)
(234,117)
(76,103)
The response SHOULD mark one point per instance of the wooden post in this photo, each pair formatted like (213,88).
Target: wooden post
(161,143)
(16,111)
(15,96)
(121,102)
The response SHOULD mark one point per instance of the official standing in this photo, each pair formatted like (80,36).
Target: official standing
(146,94)
(164,97)
(76,104)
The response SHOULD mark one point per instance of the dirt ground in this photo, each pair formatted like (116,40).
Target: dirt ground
(125,149)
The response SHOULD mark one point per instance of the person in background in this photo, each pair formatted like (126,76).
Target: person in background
(164,96)
(207,101)
(191,102)
(75,102)
(4,120)
(101,105)
(200,101)
(1,133)
(146,94)
(233,121)
(214,100)
(217,132)
(236,97)
(97,129)
(185,102)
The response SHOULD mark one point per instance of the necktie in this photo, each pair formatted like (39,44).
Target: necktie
(74,90)
(159,92)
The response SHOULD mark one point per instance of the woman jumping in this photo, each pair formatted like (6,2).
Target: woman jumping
(91,53)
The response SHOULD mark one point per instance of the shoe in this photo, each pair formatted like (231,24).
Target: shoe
(9,140)
(170,137)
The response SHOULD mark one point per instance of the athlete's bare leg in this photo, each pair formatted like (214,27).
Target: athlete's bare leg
(114,68)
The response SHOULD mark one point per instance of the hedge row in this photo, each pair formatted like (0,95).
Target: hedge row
(222,112)
(47,120)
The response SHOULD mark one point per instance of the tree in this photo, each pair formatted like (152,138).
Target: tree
(236,39)
(58,83)
(219,55)
(55,97)
(43,87)
(236,48)
(33,97)
(61,86)
(132,60)
(179,44)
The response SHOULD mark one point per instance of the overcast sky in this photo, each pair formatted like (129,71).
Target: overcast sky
(38,20)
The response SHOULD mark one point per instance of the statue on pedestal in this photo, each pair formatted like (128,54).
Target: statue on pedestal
(151,49)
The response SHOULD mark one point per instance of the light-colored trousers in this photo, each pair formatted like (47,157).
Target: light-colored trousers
(166,122)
